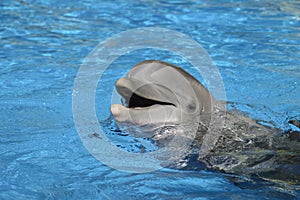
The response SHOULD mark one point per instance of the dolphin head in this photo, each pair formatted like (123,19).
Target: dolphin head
(159,94)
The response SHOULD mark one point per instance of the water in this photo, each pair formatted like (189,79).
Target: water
(255,45)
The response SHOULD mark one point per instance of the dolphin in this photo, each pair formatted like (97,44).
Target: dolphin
(158,94)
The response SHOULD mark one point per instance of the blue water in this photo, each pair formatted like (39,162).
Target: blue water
(255,45)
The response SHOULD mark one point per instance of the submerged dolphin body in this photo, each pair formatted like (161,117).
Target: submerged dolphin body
(158,95)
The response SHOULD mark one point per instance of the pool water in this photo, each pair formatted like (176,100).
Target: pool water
(255,45)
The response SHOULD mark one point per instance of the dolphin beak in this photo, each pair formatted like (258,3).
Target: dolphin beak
(147,105)
(115,109)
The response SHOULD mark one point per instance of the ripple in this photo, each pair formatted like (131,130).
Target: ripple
(254,44)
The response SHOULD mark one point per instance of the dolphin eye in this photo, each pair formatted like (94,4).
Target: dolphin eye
(191,107)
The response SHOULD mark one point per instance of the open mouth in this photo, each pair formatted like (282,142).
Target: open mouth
(144,105)
(136,101)
(142,95)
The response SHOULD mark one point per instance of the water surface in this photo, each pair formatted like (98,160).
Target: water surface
(255,45)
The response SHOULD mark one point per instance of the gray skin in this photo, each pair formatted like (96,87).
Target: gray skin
(180,97)
(158,94)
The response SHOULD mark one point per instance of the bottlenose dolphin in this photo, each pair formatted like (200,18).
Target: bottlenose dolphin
(158,94)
